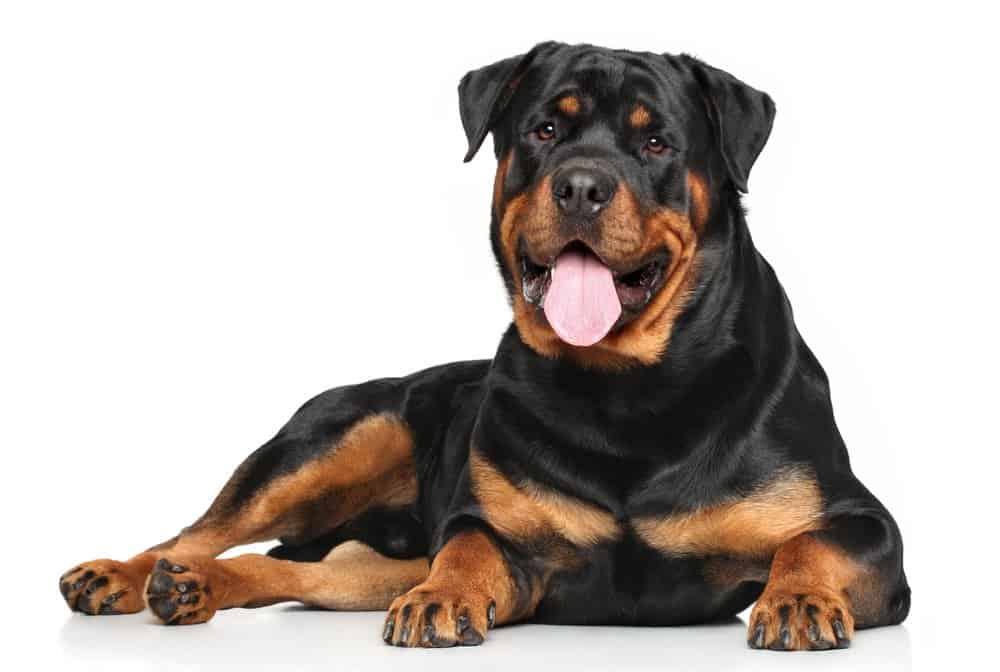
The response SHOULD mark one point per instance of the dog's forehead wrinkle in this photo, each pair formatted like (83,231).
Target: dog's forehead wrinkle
(592,67)
(612,81)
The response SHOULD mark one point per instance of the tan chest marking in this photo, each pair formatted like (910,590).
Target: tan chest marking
(754,525)
(527,511)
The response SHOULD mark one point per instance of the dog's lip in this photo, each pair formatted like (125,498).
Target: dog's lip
(636,283)
(618,270)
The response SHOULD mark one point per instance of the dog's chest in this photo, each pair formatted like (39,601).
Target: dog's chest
(638,554)
(627,582)
(751,523)
(675,566)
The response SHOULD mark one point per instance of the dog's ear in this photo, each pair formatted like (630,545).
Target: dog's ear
(741,118)
(483,94)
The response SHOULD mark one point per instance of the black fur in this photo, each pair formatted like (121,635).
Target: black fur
(737,395)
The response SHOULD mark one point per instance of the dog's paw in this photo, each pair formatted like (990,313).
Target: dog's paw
(798,621)
(431,617)
(102,587)
(181,593)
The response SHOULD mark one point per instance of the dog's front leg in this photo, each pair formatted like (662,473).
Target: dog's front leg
(824,584)
(471,588)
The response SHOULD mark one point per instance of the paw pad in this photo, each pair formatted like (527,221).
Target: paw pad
(101,587)
(177,595)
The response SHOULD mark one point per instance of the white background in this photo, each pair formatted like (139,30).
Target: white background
(211,211)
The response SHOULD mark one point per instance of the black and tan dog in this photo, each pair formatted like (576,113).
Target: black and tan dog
(653,442)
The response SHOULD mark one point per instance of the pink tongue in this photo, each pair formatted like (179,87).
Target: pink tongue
(581,304)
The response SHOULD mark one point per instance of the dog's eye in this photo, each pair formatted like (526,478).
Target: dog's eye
(546,131)
(656,144)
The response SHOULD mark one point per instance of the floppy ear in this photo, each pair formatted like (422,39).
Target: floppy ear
(741,117)
(483,95)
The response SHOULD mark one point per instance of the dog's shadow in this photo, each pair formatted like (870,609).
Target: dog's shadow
(302,638)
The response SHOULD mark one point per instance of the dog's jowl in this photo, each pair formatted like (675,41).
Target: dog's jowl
(652,443)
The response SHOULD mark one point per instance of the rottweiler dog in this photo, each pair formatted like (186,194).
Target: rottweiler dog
(653,442)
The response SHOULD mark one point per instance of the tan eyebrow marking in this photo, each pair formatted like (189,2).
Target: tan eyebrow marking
(569,105)
(639,117)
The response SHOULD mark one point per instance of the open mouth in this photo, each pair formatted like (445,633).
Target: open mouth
(583,299)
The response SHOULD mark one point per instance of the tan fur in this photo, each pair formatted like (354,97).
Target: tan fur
(468,575)
(644,339)
(700,197)
(470,563)
(371,464)
(807,574)
(352,577)
(639,117)
(358,578)
(752,526)
(805,563)
(498,182)
(122,583)
(527,511)
(627,235)
(569,105)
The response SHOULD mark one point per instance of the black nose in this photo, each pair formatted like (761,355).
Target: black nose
(582,191)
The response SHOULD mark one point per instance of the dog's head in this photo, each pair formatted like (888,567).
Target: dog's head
(610,165)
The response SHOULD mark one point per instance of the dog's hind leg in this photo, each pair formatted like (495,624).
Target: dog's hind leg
(353,577)
(323,469)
